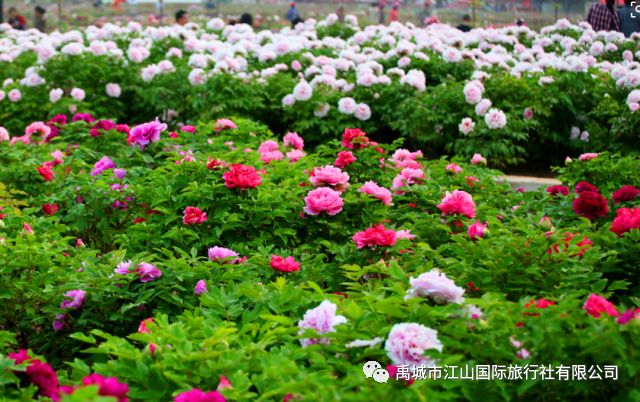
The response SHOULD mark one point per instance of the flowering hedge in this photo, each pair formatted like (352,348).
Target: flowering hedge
(223,261)
(512,94)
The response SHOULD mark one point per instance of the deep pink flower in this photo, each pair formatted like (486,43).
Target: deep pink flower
(345,158)
(477,230)
(242,177)
(458,203)
(329,176)
(588,156)
(223,255)
(354,138)
(323,199)
(103,164)
(453,167)
(225,124)
(584,186)
(100,126)
(143,327)
(44,377)
(147,272)
(626,219)
(143,134)
(596,304)
(86,117)
(50,209)
(188,129)
(201,287)
(194,216)
(630,314)
(293,140)
(376,235)
(555,190)
(406,177)
(373,189)
(108,386)
(282,264)
(197,395)
(46,171)
(76,299)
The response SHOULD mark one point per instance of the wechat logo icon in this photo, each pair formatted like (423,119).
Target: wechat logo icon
(373,369)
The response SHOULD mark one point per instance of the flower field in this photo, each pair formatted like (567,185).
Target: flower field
(219,214)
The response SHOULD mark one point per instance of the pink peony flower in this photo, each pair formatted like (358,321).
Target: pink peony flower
(188,129)
(78,94)
(201,287)
(495,119)
(284,264)
(197,395)
(436,286)
(113,90)
(588,156)
(373,189)
(477,230)
(323,199)
(143,328)
(295,155)
(407,343)
(466,126)
(293,140)
(329,176)
(585,186)
(37,127)
(59,323)
(147,272)
(242,177)
(76,299)
(225,124)
(223,384)
(103,164)
(630,314)
(194,216)
(376,235)
(406,177)
(143,134)
(108,386)
(223,255)
(527,113)
(322,319)
(4,134)
(596,304)
(458,203)
(100,126)
(626,219)
(119,173)
(478,159)
(453,167)
(345,158)
(403,158)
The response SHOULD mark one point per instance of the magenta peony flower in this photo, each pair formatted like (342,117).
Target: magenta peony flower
(555,190)
(407,343)
(477,230)
(147,272)
(86,117)
(282,264)
(108,386)
(596,304)
(323,199)
(373,189)
(376,235)
(322,319)
(223,255)
(194,216)
(197,395)
(119,173)
(103,164)
(458,203)
(329,176)
(293,140)
(201,287)
(44,377)
(630,314)
(59,322)
(626,219)
(436,286)
(100,126)
(76,299)
(625,193)
(143,134)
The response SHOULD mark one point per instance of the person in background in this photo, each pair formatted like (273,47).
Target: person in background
(182,17)
(424,13)
(381,5)
(464,26)
(629,18)
(520,22)
(340,14)
(603,17)
(16,20)
(393,16)
(246,18)
(292,15)
(39,22)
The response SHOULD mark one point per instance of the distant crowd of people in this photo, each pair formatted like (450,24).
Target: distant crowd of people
(18,21)
(605,17)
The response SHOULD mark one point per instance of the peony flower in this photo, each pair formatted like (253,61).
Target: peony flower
(225,124)
(76,299)
(584,186)
(362,112)
(466,126)
(323,199)
(527,113)
(472,92)
(197,395)
(495,119)
(15,95)
(242,177)
(119,173)
(123,268)
(407,343)
(295,155)
(293,140)
(590,205)
(406,177)
(4,134)
(322,319)
(113,90)
(347,105)
(55,95)
(86,117)
(103,164)
(223,255)
(201,287)
(595,305)
(436,286)
(46,171)
(373,189)
(458,203)
(44,377)
(555,190)
(147,272)
(78,94)
(194,216)
(588,156)
(630,314)
(50,209)
(482,107)
(330,176)
(478,159)
(108,386)
(477,230)
(143,134)
(376,235)
(354,138)
(59,323)
(453,167)
(302,91)
(625,193)
(100,126)
(345,158)
(282,264)
(626,219)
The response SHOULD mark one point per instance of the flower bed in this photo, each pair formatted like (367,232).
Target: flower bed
(223,261)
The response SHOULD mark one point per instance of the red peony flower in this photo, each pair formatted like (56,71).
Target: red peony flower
(50,209)
(354,138)
(242,176)
(584,186)
(345,158)
(46,171)
(284,264)
(591,205)
(625,193)
(194,216)
(555,190)
(625,220)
